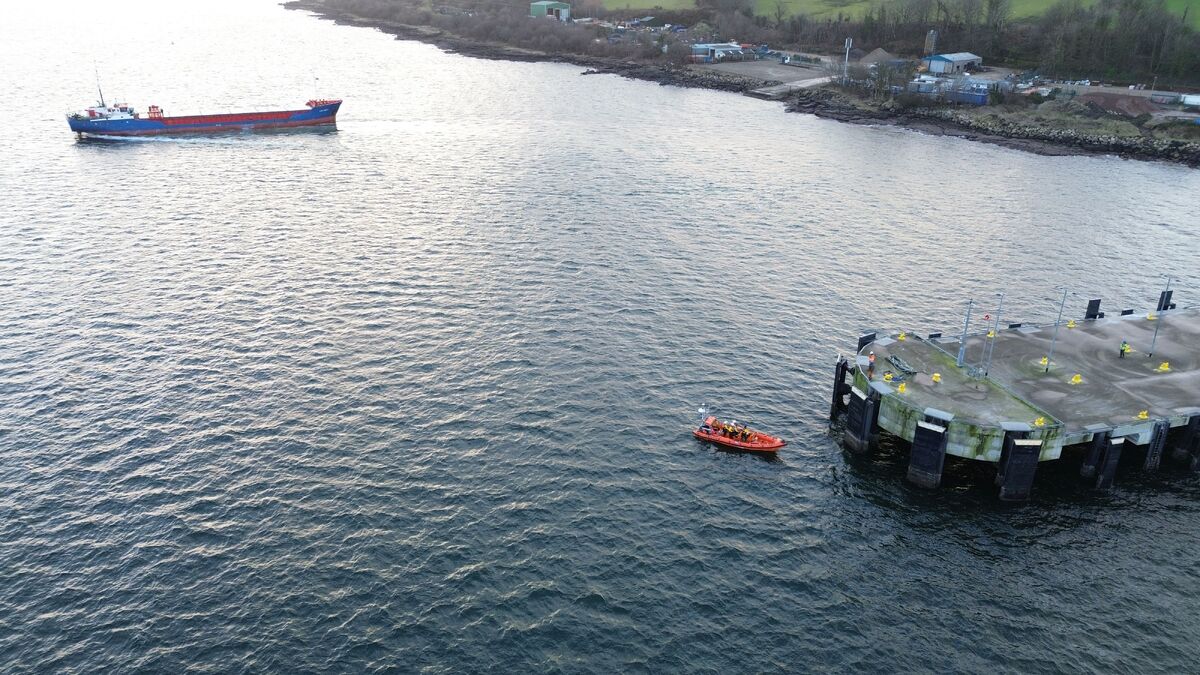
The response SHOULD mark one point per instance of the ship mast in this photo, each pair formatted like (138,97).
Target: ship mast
(102,103)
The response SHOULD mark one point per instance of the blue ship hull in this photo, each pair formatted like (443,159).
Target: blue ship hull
(324,113)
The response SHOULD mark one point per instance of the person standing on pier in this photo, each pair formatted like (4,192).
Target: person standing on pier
(871,366)
(1124,348)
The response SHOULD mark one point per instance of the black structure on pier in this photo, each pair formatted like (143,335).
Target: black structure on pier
(1018,463)
(929,449)
(840,388)
(1095,453)
(1187,449)
(862,415)
(1106,469)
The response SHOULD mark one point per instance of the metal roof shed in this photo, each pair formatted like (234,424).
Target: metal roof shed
(558,10)
(952,63)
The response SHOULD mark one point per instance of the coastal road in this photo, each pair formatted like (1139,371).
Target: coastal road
(778,91)
(779,79)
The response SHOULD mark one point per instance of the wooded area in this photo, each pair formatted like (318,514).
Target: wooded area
(1122,41)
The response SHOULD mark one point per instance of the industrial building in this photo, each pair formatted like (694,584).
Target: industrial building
(712,53)
(958,62)
(551,8)
(955,90)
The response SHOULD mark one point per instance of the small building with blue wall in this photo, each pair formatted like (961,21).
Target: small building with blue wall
(958,62)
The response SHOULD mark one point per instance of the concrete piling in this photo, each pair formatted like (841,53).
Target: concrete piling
(862,413)
(840,388)
(1186,446)
(928,454)
(1106,470)
(1191,443)
(876,402)
(1095,453)
(1018,464)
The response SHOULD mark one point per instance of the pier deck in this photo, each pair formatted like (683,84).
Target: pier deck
(1122,396)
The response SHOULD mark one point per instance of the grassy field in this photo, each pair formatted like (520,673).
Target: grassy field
(830,8)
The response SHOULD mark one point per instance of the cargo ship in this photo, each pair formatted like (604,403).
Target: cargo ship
(120,119)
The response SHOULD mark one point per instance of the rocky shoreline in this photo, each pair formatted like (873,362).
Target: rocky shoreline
(822,102)
(664,74)
(1030,138)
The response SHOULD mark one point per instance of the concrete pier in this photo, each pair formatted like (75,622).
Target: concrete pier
(1086,393)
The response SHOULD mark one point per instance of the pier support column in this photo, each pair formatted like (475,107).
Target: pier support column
(840,388)
(1158,443)
(1106,469)
(1187,450)
(928,454)
(1018,463)
(1094,454)
(862,414)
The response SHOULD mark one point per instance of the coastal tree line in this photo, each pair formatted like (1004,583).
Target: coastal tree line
(1123,40)
(1127,41)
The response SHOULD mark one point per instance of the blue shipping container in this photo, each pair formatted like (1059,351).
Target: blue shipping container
(970,97)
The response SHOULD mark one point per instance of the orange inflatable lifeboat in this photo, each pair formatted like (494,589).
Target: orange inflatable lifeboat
(733,435)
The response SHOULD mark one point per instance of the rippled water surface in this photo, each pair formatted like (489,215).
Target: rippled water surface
(415,394)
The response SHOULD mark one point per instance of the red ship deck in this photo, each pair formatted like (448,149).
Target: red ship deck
(231,118)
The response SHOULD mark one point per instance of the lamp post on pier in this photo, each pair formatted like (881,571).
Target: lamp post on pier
(962,343)
(1158,323)
(1057,322)
(995,334)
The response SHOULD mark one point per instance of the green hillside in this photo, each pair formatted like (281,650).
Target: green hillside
(649,4)
(830,8)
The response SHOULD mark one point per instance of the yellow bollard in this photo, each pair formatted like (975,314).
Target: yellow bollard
(1144,415)
(1039,422)
(1076,379)
(991,333)
(1165,367)
(887,377)
(901,336)
(1045,361)
(902,388)
(1151,317)
(937,377)
(1071,323)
